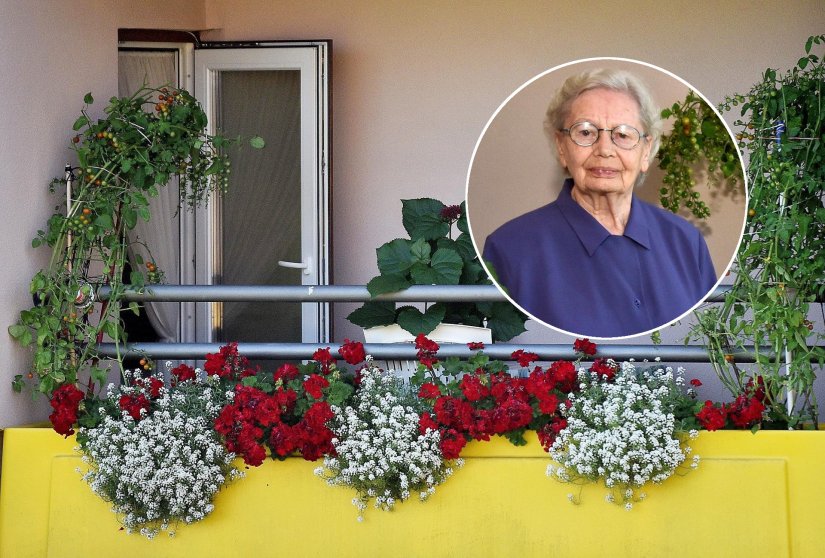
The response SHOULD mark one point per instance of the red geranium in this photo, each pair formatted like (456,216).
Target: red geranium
(603,368)
(524,359)
(472,388)
(228,364)
(352,352)
(314,384)
(428,390)
(324,358)
(134,404)
(712,417)
(475,345)
(695,382)
(65,401)
(584,346)
(182,373)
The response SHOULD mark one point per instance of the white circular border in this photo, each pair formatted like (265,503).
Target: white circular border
(613,59)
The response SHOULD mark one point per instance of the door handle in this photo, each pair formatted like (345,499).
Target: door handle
(297,265)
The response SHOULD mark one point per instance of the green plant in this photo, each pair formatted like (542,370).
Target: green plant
(432,257)
(124,158)
(698,136)
(780,263)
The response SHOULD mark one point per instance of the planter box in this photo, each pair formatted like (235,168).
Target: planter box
(753,495)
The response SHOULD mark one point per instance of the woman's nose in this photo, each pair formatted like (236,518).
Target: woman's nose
(604,144)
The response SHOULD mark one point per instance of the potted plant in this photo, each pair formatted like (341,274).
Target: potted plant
(431,256)
(780,263)
(140,143)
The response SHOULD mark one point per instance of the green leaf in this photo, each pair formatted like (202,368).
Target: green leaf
(257,142)
(129,217)
(135,308)
(88,99)
(444,269)
(415,322)
(808,44)
(249,381)
(19,331)
(462,223)
(422,219)
(99,375)
(18,383)
(420,251)
(83,120)
(394,257)
(388,284)
(104,221)
(505,321)
(373,313)
(339,393)
(802,62)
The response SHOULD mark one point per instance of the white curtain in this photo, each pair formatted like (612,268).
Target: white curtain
(162,232)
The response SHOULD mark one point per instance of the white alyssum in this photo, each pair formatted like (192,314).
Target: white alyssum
(380,452)
(165,468)
(621,432)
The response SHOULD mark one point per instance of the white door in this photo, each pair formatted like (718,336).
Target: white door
(272,226)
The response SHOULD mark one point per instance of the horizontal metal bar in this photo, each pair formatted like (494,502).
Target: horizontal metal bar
(321,293)
(500,351)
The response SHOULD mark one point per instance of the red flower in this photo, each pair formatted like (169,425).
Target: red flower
(603,368)
(427,350)
(584,346)
(324,358)
(711,417)
(451,444)
(133,404)
(422,343)
(472,388)
(286,372)
(565,375)
(475,345)
(695,382)
(426,422)
(314,384)
(227,363)
(524,359)
(428,390)
(183,373)
(450,212)
(154,387)
(352,352)
(65,401)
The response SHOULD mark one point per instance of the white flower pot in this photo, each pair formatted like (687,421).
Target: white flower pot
(443,333)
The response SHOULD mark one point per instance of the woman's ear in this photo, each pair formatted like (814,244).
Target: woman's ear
(560,147)
(645,163)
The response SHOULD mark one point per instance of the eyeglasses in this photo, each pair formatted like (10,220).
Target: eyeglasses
(586,134)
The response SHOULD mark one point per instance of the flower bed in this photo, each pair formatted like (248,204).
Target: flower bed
(753,495)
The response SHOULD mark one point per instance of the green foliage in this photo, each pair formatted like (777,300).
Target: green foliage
(431,256)
(124,158)
(698,136)
(780,264)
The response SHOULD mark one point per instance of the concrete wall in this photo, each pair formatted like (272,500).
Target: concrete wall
(414,83)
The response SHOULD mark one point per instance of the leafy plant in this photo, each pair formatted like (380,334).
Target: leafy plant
(781,261)
(431,256)
(124,158)
(698,136)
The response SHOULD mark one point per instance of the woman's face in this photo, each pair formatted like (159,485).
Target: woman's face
(603,168)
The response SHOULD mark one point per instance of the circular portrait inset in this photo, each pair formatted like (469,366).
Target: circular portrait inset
(606,198)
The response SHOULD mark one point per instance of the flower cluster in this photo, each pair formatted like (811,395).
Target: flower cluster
(286,411)
(164,466)
(380,451)
(65,401)
(622,431)
(746,411)
(476,399)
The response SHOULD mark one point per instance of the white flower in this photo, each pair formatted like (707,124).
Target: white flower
(380,452)
(620,432)
(166,467)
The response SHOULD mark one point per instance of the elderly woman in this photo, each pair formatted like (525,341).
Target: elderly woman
(599,261)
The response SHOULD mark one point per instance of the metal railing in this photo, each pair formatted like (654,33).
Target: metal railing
(359,293)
